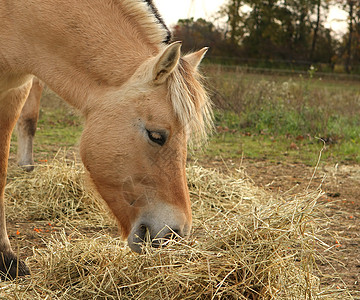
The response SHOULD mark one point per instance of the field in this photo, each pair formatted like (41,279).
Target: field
(278,127)
(295,139)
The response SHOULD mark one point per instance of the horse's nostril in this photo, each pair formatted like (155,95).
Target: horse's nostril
(144,235)
(141,234)
(177,232)
(173,234)
(163,239)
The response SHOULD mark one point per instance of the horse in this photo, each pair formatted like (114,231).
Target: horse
(27,124)
(142,100)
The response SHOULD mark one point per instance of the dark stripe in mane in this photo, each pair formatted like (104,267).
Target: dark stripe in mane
(160,20)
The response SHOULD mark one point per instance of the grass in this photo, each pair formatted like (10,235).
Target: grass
(235,146)
(257,116)
(59,126)
(231,141)
(277,117)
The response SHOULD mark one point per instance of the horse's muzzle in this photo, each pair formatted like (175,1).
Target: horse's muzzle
(158,228)
(142,236)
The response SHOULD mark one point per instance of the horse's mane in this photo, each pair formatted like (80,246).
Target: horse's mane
(144,13)
(159,20)
(190,101)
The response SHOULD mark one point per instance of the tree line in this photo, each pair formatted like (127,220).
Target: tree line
(283,31)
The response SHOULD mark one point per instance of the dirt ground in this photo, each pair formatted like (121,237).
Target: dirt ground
(341,202)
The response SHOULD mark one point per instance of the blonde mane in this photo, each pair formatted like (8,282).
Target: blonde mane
(191,102)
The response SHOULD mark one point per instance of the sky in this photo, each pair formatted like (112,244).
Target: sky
(172,10)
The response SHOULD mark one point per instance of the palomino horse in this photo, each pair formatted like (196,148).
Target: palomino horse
(26,125)
(142,103)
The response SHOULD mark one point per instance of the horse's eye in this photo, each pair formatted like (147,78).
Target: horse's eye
(157,137)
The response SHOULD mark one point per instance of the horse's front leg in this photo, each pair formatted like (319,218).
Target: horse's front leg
(11,102)
(26,125)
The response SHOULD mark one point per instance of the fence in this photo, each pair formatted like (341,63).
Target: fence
(284,67)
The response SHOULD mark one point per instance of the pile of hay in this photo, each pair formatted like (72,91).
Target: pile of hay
(55,191)
(246,243)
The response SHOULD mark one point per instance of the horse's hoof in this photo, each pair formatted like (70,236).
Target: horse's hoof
(28,167)
(11,267)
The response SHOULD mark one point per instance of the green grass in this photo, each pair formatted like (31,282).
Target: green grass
(59,126)
(284,118)
(279,149)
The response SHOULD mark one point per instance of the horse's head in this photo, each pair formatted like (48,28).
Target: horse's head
(134,145)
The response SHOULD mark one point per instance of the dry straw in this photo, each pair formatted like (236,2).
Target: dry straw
(246,243)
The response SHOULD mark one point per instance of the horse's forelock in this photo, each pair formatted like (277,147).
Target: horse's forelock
(191,102)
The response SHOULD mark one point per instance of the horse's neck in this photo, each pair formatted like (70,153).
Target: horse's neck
(78,49)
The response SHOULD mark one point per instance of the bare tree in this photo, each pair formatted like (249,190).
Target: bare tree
(316,29)
(350,4)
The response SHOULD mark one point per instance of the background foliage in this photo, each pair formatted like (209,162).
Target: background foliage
(277,33)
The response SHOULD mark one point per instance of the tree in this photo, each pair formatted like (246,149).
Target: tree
(234,20)
(272,28)
(350,50)
(350,5)
(283,31)
(316,29)
(198,34)
(268,30)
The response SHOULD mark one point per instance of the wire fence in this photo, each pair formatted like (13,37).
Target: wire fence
(284,67)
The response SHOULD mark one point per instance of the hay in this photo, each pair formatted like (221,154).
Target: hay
(246,243)
(54,191)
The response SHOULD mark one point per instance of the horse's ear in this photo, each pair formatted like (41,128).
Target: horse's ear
(195,58)
(166,62)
